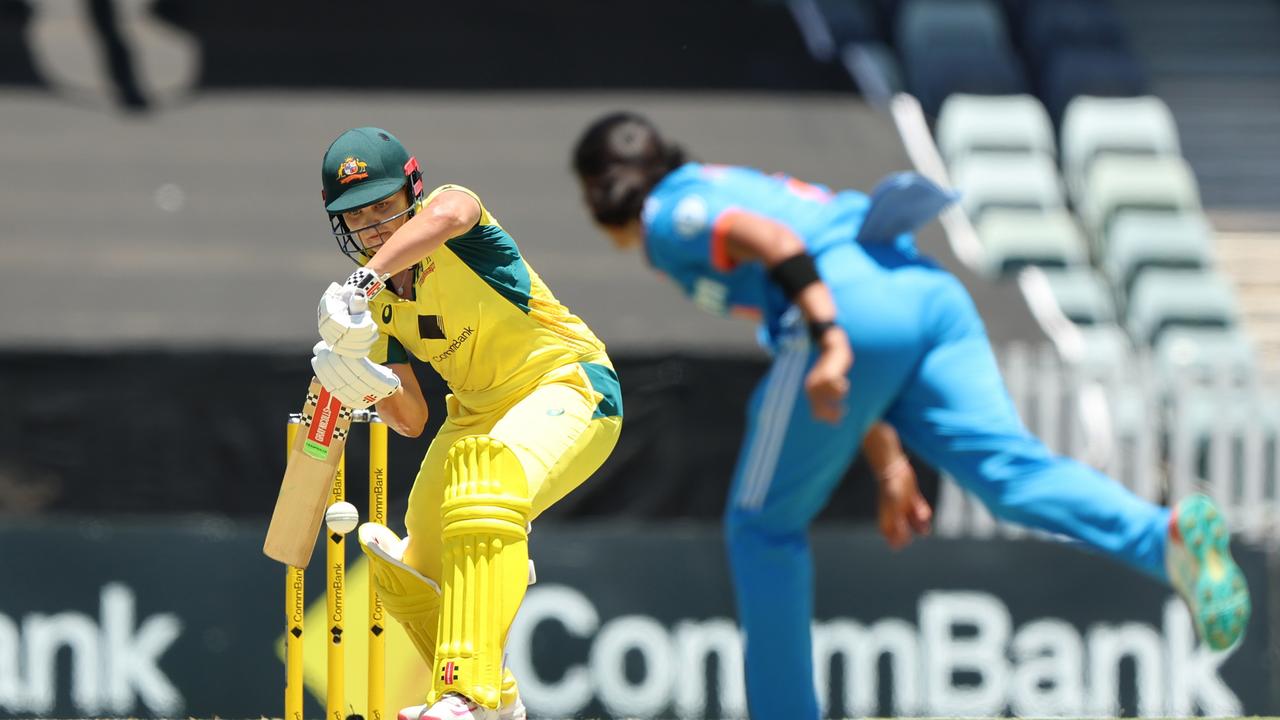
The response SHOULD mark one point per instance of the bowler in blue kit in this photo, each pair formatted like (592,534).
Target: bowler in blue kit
(862,328)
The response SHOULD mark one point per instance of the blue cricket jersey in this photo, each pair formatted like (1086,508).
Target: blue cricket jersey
(687,214)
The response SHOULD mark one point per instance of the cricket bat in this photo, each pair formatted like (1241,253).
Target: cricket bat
(308,478)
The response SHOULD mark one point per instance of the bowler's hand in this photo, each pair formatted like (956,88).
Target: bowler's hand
(827,383)
(903,511)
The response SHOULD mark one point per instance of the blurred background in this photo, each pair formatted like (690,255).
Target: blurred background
(163,244)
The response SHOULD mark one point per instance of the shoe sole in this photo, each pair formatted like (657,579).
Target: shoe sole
(1221,601)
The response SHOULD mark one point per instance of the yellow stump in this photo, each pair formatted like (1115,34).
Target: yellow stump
(335,579)
(377,514)
(295,605)
(335,694)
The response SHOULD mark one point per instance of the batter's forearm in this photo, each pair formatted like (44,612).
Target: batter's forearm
(405,411)
(400,416)
(418,238)
(447,216)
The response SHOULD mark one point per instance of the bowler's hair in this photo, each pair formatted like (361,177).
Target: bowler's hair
(619,158)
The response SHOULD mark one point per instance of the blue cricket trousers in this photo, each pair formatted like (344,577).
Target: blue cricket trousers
(923,363)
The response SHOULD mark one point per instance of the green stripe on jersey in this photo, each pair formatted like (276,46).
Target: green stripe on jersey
(396,354)
(492,254)
(605,381)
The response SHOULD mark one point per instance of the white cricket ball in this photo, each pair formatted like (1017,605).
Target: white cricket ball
(342,517)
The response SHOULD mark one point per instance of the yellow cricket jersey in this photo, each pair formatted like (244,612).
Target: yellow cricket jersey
(487,323)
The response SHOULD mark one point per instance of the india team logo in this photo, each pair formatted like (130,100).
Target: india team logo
(690,216)
(352,169)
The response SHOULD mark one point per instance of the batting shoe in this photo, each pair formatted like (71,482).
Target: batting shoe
(456,707)
(1198,560)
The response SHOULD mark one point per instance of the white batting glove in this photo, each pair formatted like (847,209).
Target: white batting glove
(343,314)
(357,382)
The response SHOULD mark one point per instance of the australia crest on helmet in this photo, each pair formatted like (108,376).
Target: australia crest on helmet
(352,169)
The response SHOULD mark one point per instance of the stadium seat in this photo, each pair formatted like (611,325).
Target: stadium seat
(1101,72)
(956,46)
(1107,350)
(937,73)
(929,24)
(1008,123)
(1165,299)
(1199,354)
(1141,240)
(888,11)
(990,180)
(1048,25)
(1014,239)
(851,21)
(1092,126)
(1083,296)
(1116,183)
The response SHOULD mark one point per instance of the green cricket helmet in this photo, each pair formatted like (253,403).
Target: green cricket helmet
(363,166)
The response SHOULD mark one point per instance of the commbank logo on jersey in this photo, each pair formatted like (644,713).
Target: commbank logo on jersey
(352,169)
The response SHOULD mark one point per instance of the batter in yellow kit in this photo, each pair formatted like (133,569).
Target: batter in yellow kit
(534,409)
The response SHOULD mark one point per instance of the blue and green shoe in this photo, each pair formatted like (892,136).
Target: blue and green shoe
(1200,567)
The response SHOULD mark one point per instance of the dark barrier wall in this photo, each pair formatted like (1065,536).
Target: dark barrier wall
(181,618)
(202,432)
(486,45)
(16,66)
(496,44)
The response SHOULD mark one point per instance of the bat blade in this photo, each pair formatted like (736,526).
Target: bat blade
(308,478)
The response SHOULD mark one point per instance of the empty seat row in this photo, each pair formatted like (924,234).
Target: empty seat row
(1048,26)
(1075,49)
(1139,219)
(1116,184)
(1187,317)
(1164,299)
(1121,156)
(1001,180)
(1091,127)
(1141,241)
(1161,299)
(1013,239)
(1010,123)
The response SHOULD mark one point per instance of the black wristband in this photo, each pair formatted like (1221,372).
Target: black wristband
(818,328)
(795,274)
